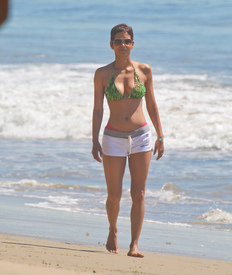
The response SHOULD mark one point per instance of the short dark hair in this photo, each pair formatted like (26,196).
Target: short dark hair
(121,28)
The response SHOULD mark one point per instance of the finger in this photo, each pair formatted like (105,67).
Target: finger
(155,150)
(99,160)
(158,157)
(160,154)
(100,155)
(96,156)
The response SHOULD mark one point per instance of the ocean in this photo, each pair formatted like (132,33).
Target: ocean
(50,186)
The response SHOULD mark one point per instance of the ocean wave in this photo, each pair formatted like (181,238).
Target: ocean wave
(67,203)
(165,196)
(49,206)
(55,101)
(27,183)
(217,216)
(169,223)
(173,194)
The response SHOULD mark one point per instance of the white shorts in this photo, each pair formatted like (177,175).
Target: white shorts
(122,144)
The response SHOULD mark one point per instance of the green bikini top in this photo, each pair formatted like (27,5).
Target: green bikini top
(112,93)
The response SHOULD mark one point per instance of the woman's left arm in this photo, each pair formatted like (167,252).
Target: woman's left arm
(153,112)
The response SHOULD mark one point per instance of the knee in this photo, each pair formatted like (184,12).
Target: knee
(113,198)
(138,194)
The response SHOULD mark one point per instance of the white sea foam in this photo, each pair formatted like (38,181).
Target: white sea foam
(217,216)
(172,193)
(169,223)
(55,101)
(7,191)
(46,101)
(68,204)
(163,195)
(47,205)
(27,183)
(168,193)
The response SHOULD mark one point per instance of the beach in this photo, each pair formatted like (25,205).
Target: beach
(52,192)
(25,256)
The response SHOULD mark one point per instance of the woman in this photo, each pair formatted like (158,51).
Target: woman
(124,83)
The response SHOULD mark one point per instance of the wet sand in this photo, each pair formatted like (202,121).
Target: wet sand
(24,256)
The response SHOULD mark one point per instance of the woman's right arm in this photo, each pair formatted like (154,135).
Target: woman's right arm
(97,114)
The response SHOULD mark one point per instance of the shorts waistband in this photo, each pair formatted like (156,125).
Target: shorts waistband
(125,135)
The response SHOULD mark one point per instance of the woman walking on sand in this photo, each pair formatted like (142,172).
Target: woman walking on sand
(125,83)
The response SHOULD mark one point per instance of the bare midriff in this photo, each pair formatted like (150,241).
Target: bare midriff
(126,115)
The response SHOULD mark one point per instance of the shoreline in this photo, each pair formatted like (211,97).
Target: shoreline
(59,226)
(23,255)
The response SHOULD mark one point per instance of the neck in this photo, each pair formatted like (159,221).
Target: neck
(122,63)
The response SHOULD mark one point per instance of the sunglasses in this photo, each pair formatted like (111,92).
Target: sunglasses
(118,41)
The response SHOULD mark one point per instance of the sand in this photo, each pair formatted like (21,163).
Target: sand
(26,256)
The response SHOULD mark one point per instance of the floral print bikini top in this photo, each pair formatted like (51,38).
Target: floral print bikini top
(112,93)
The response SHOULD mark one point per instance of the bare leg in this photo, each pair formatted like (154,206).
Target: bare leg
(114,168)
(139,166)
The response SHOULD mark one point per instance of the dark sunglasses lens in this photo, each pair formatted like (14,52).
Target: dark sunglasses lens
(118,42)
(128,41)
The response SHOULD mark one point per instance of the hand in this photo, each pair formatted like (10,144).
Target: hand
(97,152)
(159,146)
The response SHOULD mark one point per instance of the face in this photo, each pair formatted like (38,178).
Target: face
(122,44)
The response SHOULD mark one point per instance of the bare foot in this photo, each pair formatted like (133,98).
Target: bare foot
(112,243)
(134,252)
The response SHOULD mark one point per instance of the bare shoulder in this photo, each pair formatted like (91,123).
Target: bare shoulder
(103,70)
(104,73)
(143,69)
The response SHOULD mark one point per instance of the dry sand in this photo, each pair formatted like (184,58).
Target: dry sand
(26,256)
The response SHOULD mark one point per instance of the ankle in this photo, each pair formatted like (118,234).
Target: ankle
(113,229)
(133,245)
